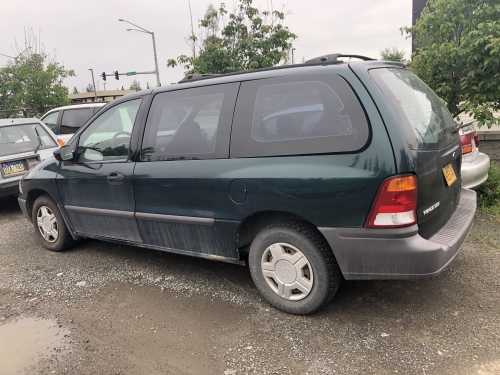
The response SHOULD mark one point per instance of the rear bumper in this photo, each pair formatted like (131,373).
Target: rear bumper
(401,253)
(474,169)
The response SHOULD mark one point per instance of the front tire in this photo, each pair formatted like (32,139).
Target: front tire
(293,268)
(49,224)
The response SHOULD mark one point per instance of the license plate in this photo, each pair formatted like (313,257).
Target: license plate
(13,168)
(449,174)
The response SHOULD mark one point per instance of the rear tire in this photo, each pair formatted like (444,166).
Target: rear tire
(293,268)
(49,225)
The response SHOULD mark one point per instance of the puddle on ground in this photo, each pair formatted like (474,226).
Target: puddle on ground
(23,342)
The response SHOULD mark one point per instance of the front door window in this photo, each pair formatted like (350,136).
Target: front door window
(108,137)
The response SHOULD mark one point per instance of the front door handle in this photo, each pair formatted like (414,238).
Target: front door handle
(116,177)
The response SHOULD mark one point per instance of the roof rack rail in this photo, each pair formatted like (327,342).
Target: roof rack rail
(334,58)
(197,76)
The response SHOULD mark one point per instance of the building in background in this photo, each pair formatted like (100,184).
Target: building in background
(418,7)
(102,96)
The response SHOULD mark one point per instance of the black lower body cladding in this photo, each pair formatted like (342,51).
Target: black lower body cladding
(401,253)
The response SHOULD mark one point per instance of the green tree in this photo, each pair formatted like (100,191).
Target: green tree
(136,85)
(30,85)
(247,38)
(75,90)
(393,54)
(458,55)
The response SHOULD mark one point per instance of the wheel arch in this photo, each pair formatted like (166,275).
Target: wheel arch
(254,223)
(32,197)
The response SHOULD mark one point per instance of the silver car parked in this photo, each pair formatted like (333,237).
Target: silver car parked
(475,164)
(24,142)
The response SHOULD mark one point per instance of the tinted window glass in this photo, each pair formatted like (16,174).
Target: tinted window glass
(293,116)
(417,105)
(51,121)
(108,137)
(188,124)
(24,138)
(298,110)
(72,119)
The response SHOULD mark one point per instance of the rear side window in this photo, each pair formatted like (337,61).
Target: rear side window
(417,106)
(73,119)
(292,116)
(189,124)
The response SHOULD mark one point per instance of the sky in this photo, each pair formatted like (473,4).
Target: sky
(83,34)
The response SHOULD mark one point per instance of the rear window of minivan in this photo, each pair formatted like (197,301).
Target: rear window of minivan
(298,115)
(416,105)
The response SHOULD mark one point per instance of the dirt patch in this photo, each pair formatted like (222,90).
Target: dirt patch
(149,331)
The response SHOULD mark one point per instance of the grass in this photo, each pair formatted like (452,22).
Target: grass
(489,192)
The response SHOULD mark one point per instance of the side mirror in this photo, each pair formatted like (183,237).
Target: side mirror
(65,153)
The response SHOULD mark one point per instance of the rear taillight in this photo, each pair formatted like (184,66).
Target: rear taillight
(468,142)
(395,204)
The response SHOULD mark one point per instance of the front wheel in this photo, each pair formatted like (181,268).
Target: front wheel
(49,225)
(293,268)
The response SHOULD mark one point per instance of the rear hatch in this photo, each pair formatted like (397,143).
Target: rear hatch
(433,138)
(19,148)
(16,165)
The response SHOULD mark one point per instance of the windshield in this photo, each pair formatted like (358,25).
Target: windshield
(418,106)
(16,139)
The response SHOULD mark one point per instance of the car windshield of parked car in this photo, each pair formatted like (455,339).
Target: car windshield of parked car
(417,105)
(15,139)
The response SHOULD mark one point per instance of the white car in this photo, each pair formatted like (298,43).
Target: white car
(65,121)
(475,164)
(24,142)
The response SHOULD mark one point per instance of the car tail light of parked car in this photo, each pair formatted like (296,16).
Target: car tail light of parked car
(468,142)
(395,204)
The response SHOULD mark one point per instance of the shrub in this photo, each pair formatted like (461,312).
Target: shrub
(489,192)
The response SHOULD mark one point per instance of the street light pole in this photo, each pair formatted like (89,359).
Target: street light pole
(93,84)
(146,31)
(158,83)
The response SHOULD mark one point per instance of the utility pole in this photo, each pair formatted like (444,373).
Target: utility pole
(193,37)
(93,84)
(293,60)
(145,31)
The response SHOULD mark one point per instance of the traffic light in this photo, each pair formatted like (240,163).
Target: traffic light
(117,75)
(103,75)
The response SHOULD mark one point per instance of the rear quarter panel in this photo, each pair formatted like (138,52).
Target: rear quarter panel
(333,190)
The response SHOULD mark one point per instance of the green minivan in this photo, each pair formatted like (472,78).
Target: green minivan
(310,174)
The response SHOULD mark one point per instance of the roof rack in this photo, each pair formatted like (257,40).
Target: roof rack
(197,76)
(322,60)
(334,58)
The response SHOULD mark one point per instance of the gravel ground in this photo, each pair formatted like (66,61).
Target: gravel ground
(110,309)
